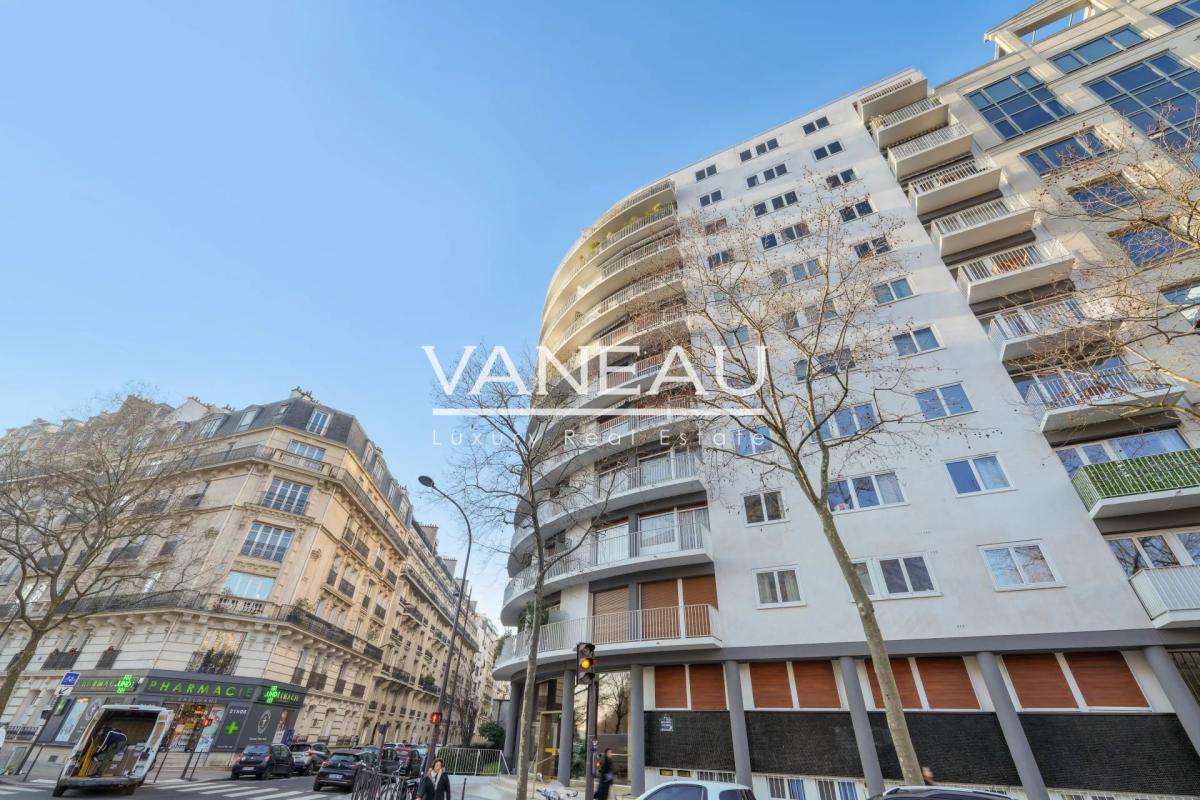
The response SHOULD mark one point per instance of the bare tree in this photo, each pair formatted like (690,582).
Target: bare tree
(799,360)
(82,511)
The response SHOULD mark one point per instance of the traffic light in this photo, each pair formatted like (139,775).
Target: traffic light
(435,717)
(585,662)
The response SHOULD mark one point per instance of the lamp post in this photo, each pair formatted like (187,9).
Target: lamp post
(428,483)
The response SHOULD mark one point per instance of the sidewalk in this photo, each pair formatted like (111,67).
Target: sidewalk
(172,768)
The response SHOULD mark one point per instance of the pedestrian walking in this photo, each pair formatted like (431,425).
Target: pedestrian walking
(605,771)
(436,784)
(927,776)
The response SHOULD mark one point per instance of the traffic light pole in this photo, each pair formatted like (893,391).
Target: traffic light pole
(590,744)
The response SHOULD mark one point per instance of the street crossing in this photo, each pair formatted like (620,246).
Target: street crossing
(236,791)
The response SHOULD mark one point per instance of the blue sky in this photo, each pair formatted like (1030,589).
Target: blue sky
(229,199)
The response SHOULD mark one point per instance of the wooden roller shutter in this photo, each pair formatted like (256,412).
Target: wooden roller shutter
(1039,681)
(610,620)
(1104,679)
(659,615)
(670,691)
(708,687)
(770,684)
(699,591)
(909,697)
(815,684)
(946,682)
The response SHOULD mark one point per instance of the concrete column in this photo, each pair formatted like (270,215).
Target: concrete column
(1177,692)
(512,718)
(566,730)
(1010,726)
(737,723)
(863,736)
(637,731)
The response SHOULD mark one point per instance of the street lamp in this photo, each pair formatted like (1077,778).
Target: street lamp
(428,483)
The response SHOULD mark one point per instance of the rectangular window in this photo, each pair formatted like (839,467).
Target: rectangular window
(1135,446)
(896,576)
(247,419)
(873,247)
(210,427)
(778,587)
(1158,95)
(1016,565)
(944,401)
(306,450)
(815,125)
(318,422)
(918,340)
(762,148)
(719,258)
(1148,245)
(739,335)
(825,151)
(1142,552)
(841,178)
(849,421)
(763,507)
(1047,27)
(769,174)
(710,198)
(748,443)
(789,234)
(977,475)
(1018,104)
(775,203)
(1180,14)
(866,491)
(1097,49)
(715,226)
(860,209)
(706,172)
(254,587)
(833,363)
(287,496)
(1103,196)
(1065,152)
(892,291)
(267,542)
(1187,297)
(812,268)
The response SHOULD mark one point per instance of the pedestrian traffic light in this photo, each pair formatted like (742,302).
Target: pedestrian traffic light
(435,717)
(585,662)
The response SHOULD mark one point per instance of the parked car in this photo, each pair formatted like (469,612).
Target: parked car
(341,768)
(939,793)
(308,758)
(407,760)
(698,790)
(263,761)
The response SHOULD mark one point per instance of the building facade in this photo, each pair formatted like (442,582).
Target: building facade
(1042,607)
(313,604)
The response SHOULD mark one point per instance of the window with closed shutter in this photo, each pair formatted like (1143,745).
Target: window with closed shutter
(770,684)
(909,697)
(1039,681)
(698,592)
(1104,679)
(946,682)
(815,685)
(708,687)
(610,617)
(670,689)
(659,614)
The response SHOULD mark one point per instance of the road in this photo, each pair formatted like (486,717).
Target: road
(298,788)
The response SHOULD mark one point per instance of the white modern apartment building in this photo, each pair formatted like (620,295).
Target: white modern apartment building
(1039,587)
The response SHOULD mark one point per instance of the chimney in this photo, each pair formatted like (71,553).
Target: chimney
(301,394)
(451,564)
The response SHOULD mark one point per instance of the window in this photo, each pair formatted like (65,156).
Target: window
(1158,95)
(1142,552)
(977,475)
(287,496)
(710,198)
(825,151)
(247,419)
(169,548)
(812,268)
(1187,297)
(778,587)
(895,576)
(873,247)
(306,450)
(766,175)
(210,427)
(860,209)
(849,421)
(918,340)
(1135,446)
(706,172)
(1103,196)
(787,788)
(1180,14)
(1017,105)
(254,587)
(841,178)
(1060,22)
(811,315)
(762,148)
(318,422)
(267,542)
(1097,49)
(1016,565)
(775,203)
(749,443)
(719,258)
(1147,245)
(715,227)
(1064,152)
(817,124)
(892,291)
(944,401)
(739,335)
(827,363)
(763,507)
(866,491)
(281,410)
(789,234)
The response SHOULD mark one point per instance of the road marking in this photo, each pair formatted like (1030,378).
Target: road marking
(280,794)
(241,792)
(44,780)
(12,788)
(260,791)
(310,796)
(170,780)
(193,787)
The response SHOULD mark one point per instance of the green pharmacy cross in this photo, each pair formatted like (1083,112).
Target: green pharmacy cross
(231,728)
(271,695)
(125,684)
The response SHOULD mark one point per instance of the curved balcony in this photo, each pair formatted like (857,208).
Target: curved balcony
(1067,321)
(1017,269)
(987,222)
(608,553)
(954,184)
(691,627)
(616,304)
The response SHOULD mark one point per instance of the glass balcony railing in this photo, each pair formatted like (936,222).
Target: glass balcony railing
(1170,595)
(1160,472)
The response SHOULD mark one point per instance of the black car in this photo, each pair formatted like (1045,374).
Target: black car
(263,761)
(341,768)
(938,793)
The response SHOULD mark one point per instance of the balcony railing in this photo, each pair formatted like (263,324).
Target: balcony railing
(1061,389)
(1160,472)
(951,175)
(358,690)
(619,298)
(1169,591)
(929,141)
(906,113)
(627,203)
(213,662)
(281,502)
(620,627)
(1043,318)
(345,587)
(107,659)
(316,681)
(57,660)
(980,215)
(1014,259)
(610,268)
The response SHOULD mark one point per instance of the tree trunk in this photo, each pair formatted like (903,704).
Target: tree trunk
(906,754)
(529,701)
(18,667)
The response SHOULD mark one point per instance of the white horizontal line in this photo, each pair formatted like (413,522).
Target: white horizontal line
(591,412)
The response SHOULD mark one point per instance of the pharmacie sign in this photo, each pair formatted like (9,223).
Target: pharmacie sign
(215,690)
(115,684)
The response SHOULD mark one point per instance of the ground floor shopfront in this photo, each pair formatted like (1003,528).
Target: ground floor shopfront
(1063,724)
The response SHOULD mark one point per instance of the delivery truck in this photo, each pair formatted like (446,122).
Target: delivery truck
(117,748)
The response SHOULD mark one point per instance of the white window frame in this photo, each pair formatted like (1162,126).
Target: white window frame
(758,439)
(211,426)
(248,578)
(767,146)
(907,280)
(774,573)
(323,416)
(857,214)
(825,147)
(816,125)
(836,180)
(306,450)
(768,205)
(849,479)
(1021,587)
(761,495)
(834,430)
(719,258)
(910,331)
(714,196)
(937,390)
(970,460)
(872,244)
(879,591)
(706,172)
(247,419)
(767,175)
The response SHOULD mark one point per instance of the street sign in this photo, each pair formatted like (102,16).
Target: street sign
(68,683)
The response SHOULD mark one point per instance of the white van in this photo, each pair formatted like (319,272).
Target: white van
(117,748)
